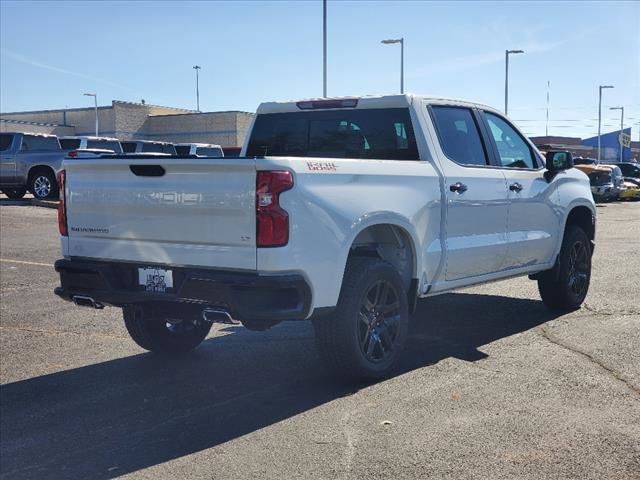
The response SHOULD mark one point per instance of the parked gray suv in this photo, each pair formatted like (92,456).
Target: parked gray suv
(29,162)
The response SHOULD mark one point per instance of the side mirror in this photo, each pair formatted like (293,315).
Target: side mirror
(557,161)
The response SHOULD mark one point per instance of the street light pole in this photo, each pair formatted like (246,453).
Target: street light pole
(401,42)
(621,127)
(324,48)
(506,78)
(95,103)
(546,129)
(196,68)
(402,65)
(600,113)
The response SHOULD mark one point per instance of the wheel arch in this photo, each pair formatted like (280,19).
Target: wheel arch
(585,218)
(35,168)
(394,243)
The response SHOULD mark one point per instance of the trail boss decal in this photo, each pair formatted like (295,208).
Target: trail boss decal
(322,166)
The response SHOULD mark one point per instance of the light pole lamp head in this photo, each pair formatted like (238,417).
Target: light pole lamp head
(390,41)
(197,67)
(616,108)
(514,51)
(90,94)
(605,86)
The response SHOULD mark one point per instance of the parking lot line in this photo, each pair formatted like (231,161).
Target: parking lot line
(24,262)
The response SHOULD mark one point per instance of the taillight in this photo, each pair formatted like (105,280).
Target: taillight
(73,154)
(62,207)
(272,222)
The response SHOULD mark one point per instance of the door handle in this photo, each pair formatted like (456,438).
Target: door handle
(515,187)
(458,187)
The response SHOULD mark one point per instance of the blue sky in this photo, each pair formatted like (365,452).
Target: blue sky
(51,52)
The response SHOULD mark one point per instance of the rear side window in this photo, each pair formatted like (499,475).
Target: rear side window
(70,143)
(459,135)
(36,142)
(513,151)
(152,148)
(5,141)
(169,148)
(128,147)
(183,149)
(105,144)
(209,152)
(384,134)
(158,148)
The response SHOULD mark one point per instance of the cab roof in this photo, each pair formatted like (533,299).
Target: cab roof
(46,135)
(367,101)
(212,145)
(87,137)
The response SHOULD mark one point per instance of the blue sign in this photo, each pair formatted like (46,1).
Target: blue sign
(610,145)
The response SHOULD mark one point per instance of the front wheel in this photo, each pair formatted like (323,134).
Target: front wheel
(564,288)
(153,332)
(363,338)
(15,193)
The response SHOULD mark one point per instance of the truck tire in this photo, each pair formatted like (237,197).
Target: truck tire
(43,184)
(564,288)
(157,335)
(364,336)
(15,193)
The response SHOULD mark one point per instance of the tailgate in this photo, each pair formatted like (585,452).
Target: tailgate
(172,211)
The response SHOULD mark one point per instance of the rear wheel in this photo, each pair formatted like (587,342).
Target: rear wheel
(565,287)
(15,193)
(363,338)
(43,185)
(153,332)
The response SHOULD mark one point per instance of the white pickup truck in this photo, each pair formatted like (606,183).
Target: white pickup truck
(343,211)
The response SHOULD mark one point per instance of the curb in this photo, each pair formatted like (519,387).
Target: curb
(45,203)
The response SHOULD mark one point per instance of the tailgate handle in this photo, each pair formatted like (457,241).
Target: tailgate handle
(147,170)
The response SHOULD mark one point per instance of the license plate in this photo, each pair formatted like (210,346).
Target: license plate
(155,280)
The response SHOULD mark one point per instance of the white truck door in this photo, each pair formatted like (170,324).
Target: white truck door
(476,196)
(533,225)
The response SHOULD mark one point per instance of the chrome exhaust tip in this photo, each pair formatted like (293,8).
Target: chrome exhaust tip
(84,301)
(216,315)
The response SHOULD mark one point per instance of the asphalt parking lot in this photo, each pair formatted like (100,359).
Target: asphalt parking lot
(491,385)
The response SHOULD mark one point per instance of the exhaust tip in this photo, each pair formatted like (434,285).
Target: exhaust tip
(216,315)
(83,301)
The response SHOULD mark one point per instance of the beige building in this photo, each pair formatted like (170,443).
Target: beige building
(139,121)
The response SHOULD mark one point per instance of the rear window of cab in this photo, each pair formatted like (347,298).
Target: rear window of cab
(382,134)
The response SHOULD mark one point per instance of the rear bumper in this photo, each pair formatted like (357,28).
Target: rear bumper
(245,295)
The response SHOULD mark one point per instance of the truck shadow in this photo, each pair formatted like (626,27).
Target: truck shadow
(112,418)
(4,201)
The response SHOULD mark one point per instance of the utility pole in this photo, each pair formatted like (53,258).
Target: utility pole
(95,103)
(600,113)
(546,129)
(196,68)
(324,48)
(506,78)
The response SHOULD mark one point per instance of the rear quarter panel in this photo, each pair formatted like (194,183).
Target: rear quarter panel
(334,200)
(25,161)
